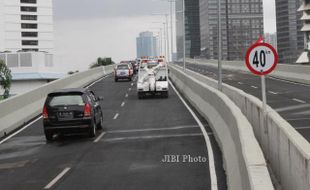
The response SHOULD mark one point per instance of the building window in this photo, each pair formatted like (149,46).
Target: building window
(29,17)
(29,26)
(28,9)
(28,1)
(30,42)
(29,34)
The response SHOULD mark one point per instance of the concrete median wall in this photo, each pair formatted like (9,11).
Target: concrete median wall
(18,110)
(287,152)
(294,72)
(244,162)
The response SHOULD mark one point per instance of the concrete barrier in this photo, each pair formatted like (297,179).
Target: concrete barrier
(18,110)
(287,152)
(244,162)
(294,72)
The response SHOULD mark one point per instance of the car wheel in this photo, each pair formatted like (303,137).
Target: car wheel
(92,130)
(115,79)
(100,124)
(130,78)
(49,136)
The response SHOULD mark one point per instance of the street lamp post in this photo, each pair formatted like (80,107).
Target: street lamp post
(219,47)
(184,37)
(171,25)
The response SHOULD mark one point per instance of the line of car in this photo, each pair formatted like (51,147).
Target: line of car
(78,110)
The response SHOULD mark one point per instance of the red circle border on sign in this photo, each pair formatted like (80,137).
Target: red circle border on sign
(248,62)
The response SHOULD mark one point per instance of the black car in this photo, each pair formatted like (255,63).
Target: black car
(70,111)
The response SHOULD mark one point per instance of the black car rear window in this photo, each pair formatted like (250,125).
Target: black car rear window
(122,67)
(66,100)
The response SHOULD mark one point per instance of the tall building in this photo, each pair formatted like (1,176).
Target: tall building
(305,11)
(289,36)
(147,44)
(26,25)
(242,24)
(192,28)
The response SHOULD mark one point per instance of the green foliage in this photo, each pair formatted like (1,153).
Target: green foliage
(73,72)
(102,62)
(5,79)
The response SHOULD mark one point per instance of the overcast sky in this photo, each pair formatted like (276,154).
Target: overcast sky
(87,29)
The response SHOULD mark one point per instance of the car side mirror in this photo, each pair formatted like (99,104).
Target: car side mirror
(100,98)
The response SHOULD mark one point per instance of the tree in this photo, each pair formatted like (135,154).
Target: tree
(5,79)
(102,62)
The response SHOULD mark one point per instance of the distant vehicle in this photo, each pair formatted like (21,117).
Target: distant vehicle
(135,66)
(123,71)
(70,111)
(153,78)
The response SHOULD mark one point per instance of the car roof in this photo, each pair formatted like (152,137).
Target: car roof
(70,90)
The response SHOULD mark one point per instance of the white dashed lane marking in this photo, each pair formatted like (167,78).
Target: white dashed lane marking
(116,116)
(298,100)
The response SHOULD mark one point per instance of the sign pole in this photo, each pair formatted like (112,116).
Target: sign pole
(264,97)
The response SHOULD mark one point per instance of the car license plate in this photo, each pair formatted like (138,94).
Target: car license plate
(123,73)
(65,115)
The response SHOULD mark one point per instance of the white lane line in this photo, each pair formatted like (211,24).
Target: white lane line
(153,137)
(230,79)
(99,137)
(302,128)
(116,116)
(274,93)
(240,83)
(131,84)
(57,178)
(129,89)
(286,81)
(20,130)
(254,87)
(126,95)
(97,80)
(298,100)
(207,139)
(298,119)
(153,129)
(123,103)
(289,108)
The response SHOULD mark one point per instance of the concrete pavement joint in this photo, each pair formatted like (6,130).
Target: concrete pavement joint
(152,129)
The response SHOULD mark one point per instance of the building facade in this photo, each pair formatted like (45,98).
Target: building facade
(304,9)
(242,24)
(192,28)
(290,39)
(26,25)
(147,45)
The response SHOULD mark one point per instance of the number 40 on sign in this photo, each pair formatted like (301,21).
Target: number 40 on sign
(261,58)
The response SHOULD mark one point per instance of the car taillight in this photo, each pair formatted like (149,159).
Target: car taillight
(45,113)
(87,110)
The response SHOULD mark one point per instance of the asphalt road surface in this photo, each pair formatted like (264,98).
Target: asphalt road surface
(291,100)
(128,154)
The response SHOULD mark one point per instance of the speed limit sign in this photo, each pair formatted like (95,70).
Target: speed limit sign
(261,58)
